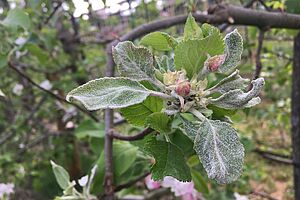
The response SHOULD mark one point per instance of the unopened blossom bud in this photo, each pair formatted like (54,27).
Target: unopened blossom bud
(213,63)
(183,88)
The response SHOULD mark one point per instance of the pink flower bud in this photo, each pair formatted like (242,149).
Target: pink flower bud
(215,62)
(183,88)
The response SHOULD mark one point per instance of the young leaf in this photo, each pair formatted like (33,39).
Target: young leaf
(191,54)
(235,99)
(159,122)
(200,183)
(61,175)
(233,51)
(231,82)
(136,114)
(89,128)
(169,161)
(220,151)
(133,62)
(109,93)
(165,63)
(15,18)
(159,41)
(191,29)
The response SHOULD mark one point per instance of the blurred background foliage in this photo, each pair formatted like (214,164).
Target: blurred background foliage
(61,44)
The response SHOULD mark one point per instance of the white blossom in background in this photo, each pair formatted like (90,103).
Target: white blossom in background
(17,90)
(83,180)
(46,85)
(6,189)
(237,196)
(20,41)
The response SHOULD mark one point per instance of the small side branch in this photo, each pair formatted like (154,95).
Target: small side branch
(131,183)
(258,54)
(138,136)
(59,98)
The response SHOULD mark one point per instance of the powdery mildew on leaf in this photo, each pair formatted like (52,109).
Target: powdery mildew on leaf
(109,93)
(233,51)
(219,150)
(133,62)
(231,82)
(236,99)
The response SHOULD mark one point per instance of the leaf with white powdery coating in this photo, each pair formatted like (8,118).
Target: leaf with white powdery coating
(169,161)
(159,41)
(109,93)
(231,82)
(220,151)
(236,99)
(233,51)
(133,62)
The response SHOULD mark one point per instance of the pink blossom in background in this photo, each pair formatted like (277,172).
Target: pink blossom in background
(151,185)
(6,189)
(179,188)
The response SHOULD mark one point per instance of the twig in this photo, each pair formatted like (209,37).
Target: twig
(264,195)
(52,13)
(130,183)
(138,136)
(12,66)
(277,158)
(258,54)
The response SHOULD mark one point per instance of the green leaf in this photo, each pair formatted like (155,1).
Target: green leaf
(124,156)
(89,128)
(200,184)
(15,18)
(136,114)
(41,55)
(2,94)
(293,6)
(133,62)
(220,151)
(231,82)
(169,161)
(191,29)
(235,99)
(61,175)
(159,122)
(191,54)
(109,93)
(3,60)
(159,41)
(233,51)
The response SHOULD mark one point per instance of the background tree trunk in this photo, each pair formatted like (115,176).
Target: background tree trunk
(296,115)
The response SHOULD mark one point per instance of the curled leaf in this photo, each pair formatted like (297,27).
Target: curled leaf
(231,82)
(235,99)
(233,51)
